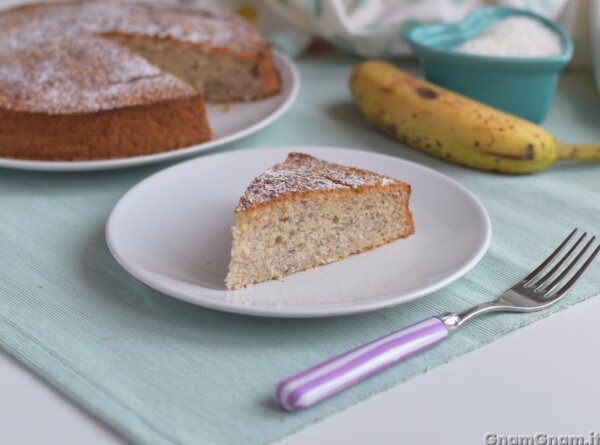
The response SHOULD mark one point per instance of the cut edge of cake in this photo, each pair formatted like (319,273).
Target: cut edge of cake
(222,76)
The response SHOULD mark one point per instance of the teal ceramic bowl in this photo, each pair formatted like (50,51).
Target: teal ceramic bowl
(523,86)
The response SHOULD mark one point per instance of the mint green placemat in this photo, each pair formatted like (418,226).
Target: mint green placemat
(161,371)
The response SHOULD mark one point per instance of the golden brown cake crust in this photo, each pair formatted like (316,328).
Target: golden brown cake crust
(123,132)
(59,69)
(300,174)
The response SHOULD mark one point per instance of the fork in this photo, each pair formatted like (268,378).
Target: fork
(538,290)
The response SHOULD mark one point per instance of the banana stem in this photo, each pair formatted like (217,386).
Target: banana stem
(582,152)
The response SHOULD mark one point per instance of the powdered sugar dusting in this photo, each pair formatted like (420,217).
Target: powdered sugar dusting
(53,58)
(301,173)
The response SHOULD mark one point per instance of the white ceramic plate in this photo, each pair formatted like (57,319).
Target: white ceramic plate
(172,231)
(228,125)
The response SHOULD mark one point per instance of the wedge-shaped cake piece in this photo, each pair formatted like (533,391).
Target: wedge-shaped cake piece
(306,212)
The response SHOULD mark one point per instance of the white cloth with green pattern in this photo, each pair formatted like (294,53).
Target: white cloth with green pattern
(374,28)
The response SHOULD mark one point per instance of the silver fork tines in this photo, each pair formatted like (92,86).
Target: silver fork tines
(530,294)
(527,280)
(539,285)
(563,268)
(577,274)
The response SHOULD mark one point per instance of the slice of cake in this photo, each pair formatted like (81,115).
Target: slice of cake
(306,212)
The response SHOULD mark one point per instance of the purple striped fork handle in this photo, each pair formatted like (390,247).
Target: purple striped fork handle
(326,379)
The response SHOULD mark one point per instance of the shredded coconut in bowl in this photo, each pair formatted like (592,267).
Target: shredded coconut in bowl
(514,37)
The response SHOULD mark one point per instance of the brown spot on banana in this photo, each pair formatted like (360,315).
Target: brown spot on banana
(389,128)
(530,152)
(573,151)
(426,93)
(527,155)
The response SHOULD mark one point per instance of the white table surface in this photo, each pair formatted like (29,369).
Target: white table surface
(542,378)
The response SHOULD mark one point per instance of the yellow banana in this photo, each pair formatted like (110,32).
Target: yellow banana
(453,127)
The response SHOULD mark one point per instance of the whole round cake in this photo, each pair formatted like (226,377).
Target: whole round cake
(99,79)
